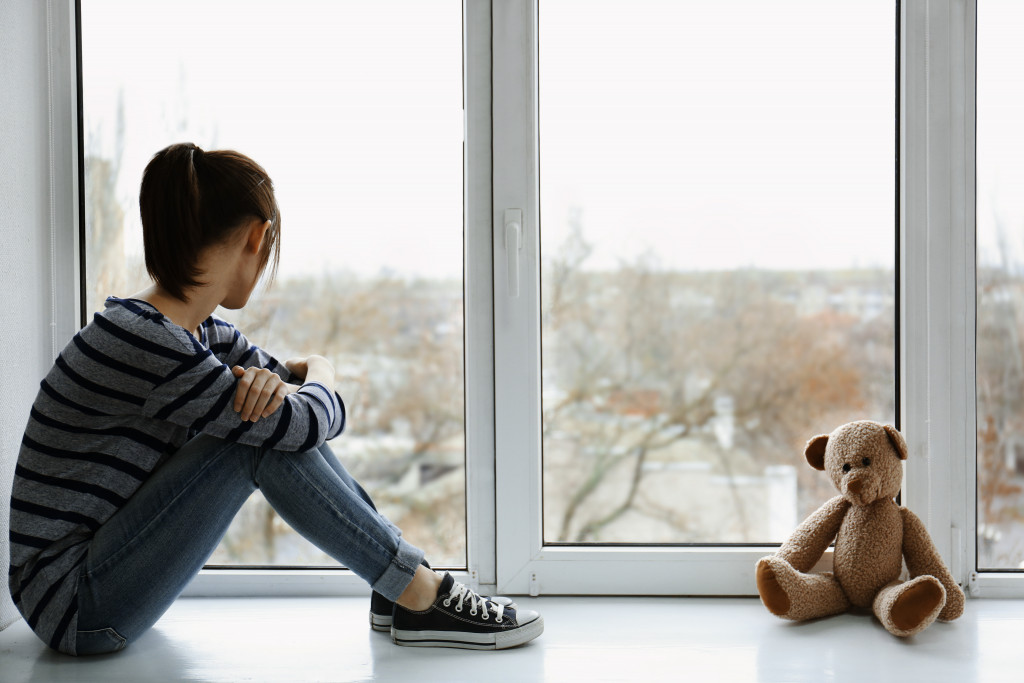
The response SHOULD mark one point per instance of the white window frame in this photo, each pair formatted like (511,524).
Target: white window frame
(479,357)
(938,281)
(936,325)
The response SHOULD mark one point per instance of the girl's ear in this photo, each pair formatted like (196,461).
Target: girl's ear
(257,230)
(815,451)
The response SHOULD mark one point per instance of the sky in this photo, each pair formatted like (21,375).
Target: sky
(1000,132)
(686,133)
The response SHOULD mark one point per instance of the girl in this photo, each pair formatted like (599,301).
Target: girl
(158,420)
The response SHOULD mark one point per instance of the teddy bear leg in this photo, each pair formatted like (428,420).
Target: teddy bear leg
(791,594)
(907,608)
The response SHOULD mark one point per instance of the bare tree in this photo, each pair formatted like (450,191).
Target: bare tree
(1000,376)
(638,359)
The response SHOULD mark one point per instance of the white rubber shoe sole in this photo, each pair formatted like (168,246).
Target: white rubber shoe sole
(497,640)
(380,622)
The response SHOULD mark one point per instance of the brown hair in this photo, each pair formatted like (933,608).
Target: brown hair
(190,200)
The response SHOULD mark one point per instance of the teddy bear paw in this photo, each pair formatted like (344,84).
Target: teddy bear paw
(795,595)
(772,593)
(954,604)
(912,606)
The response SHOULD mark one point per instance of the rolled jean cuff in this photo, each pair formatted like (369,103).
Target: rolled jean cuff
(397,577)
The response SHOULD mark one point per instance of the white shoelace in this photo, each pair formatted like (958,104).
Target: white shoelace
(476,603)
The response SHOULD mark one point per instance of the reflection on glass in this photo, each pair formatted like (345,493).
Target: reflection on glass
(355,110)
(717,226)
(1000,273)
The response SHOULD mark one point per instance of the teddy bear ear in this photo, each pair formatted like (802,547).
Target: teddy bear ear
(815,451)
(897,441)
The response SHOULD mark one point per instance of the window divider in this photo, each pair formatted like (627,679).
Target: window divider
(481,489)
(62,60)
(516,323)
(938,273)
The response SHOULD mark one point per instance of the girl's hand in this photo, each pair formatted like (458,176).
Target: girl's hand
(298,367)
(260,392)
(312,369)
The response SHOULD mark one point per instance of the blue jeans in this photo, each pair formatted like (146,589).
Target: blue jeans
(143,557)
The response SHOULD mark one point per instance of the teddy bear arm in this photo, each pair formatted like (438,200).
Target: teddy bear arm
(923,559)
(918,549)
(810,540)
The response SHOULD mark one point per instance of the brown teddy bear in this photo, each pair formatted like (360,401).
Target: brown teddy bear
(873,535)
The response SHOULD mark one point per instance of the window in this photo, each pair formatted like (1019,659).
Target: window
(658,197)
(705,278)
(717,238)
(355,110)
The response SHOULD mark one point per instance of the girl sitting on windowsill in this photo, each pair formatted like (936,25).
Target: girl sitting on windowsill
(158,420)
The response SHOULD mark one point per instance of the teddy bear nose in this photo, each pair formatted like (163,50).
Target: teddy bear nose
(855,486)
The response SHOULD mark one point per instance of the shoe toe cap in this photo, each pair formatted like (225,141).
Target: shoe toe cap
(526,616)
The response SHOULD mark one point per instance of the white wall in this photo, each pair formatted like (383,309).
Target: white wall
(36,290)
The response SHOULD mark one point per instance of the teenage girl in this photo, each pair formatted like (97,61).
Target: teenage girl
(159,419)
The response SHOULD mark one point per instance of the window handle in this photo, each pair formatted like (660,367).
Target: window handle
(513,245)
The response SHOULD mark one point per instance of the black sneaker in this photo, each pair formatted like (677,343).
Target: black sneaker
(461,618)
(382,610)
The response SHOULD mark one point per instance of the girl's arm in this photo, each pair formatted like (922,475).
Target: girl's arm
(249,363)
(199,393)
(232,348)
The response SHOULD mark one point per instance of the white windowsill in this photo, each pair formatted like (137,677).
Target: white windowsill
(627,639)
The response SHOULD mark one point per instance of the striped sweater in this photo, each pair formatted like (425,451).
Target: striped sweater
(128,390)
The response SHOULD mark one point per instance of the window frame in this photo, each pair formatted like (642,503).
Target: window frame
(477,302)
(938,237)
(525,563)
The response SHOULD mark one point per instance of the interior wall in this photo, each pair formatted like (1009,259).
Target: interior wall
(25,244)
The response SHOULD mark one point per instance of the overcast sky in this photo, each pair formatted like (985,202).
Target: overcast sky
(709,134)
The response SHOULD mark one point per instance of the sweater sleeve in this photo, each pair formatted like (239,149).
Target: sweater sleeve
(198,392)
(232,348)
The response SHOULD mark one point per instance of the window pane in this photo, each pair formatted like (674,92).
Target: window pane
(717,234)
(1000,273)
(355,110)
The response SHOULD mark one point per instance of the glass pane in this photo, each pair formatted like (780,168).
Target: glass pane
(717,212)
(355,110)
(1000,273)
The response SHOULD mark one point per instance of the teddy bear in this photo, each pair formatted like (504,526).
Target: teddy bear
(873,536)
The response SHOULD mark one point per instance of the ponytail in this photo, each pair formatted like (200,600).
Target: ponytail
(191,199)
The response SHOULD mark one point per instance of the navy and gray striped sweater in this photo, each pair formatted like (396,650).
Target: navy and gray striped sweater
(126,392)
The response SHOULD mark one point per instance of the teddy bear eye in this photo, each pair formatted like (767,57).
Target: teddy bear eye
(846,467)
(866,462)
